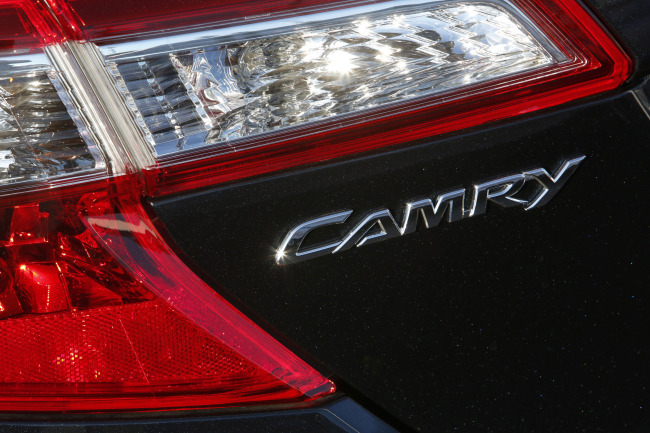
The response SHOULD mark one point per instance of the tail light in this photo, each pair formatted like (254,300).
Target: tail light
(98,110)
(96,312)
(244,88)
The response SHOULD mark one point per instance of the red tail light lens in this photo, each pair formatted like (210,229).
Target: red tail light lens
(26,27)
(100,20)
(97,313)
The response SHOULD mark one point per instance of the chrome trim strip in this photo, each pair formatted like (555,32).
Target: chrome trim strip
(230,34)
(28,63)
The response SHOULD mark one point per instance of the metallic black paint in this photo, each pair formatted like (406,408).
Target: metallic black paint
(630,21)
(516,320)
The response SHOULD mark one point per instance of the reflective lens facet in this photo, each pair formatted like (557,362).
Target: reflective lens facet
(218,92)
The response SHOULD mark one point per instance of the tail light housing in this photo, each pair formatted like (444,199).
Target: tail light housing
(98,111)
(376,47)
(96,312)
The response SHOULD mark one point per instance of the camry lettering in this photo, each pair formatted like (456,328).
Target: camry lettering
(380,225)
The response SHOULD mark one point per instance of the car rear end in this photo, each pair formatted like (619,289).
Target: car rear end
(323,215)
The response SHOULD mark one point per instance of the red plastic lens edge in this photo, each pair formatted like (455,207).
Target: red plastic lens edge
(101,22)
(27,26)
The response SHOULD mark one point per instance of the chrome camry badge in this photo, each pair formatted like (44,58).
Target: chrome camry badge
(380,224)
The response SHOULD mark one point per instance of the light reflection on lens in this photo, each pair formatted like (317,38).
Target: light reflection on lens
(340,62)
(322,70)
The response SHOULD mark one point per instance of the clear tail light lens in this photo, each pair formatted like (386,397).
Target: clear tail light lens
(41,134)
(101,106)
(240,94)
(230,85)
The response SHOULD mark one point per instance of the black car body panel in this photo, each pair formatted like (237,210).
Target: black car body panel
(628,20)
(514,319)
